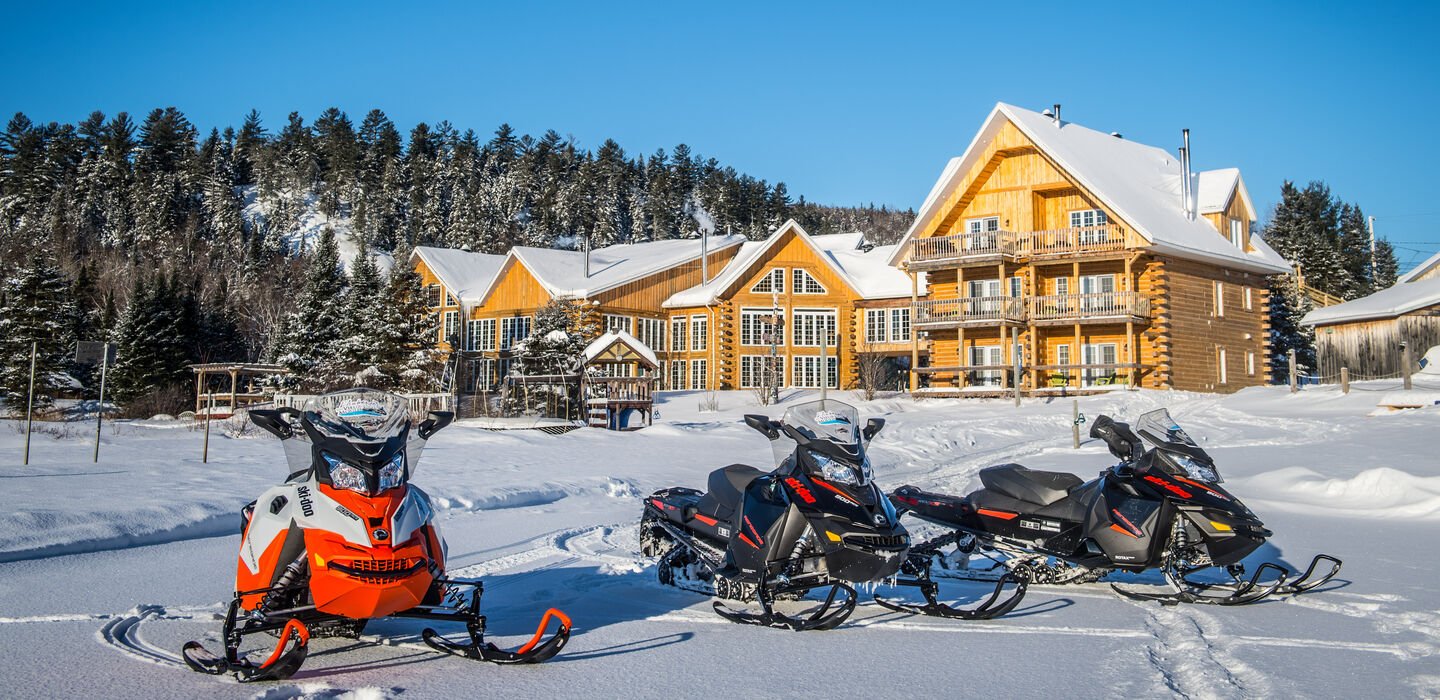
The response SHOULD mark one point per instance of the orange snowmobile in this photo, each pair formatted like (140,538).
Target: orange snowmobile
(347,539)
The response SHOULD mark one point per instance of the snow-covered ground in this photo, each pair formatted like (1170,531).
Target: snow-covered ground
(106,569)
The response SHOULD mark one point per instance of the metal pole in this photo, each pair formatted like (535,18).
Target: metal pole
(1075,422)
(824,369)
(1294,387)
(30,403)
(100,408)
(205,455)
(1344,380)
(1405,363)
(1015,357)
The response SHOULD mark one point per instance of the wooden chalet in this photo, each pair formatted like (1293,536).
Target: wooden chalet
(1366,335)
(766,315)
(1091,254)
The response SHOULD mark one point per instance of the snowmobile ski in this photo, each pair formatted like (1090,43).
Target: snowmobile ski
(283,662)
(1242,592)
(533,652)
(992,607)
(822,618)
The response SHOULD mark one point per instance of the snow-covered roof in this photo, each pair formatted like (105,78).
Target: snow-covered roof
(868,273)
(1429,265)
(463,273)
(1213,189)
(1386,303)
(600,344)
(1140,183)
(562,272)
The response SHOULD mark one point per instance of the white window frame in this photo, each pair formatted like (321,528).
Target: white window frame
(877,326)
(1062,354)
(678,334)
(1091,224)
(619,322)
(699,333)
(450,300)
(679,372)
(977,228)
(509,326)
(1062,286)
(480,334)
(753,327)
(1237,233)
(900,325)
(1017,287)
(698,374)
(981,355)
(651,332)
(775,276)
(452,323)
(434,295)
(1250,363)
(1219,299)
(802,280)
(805,371)
(1220,360)
(1249,301)
(1093,354)
(809,328)
(752,369)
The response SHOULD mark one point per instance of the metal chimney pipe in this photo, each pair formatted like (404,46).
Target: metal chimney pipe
(704,258)
(1056,115)
(586,243)
(1185,173)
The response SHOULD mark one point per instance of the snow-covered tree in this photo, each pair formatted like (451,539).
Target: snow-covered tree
(35,306)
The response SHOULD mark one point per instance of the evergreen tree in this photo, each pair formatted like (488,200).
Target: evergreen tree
(1386,268)
(36,307)
(559,334)
(1354,245)
(405,348)
(155,338)
(364,315)
(315,326)
(1287,306)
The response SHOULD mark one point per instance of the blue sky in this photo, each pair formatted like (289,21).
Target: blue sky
(846,103)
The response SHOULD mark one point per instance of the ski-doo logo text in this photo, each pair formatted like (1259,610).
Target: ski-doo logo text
(1171,487)
(305,506)
(805,494)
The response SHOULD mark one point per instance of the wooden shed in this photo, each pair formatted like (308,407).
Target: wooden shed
(1366,335)
(618,394)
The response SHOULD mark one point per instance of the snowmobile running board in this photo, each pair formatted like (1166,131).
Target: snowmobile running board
(987,610)
(822,619)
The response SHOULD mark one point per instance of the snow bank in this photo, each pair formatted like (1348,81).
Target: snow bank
(1384,493)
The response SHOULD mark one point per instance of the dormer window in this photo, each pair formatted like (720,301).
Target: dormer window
(772,282)
(805,283)
(1237,233)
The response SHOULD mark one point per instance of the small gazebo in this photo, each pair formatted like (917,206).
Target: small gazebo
(618,394)
(243,386)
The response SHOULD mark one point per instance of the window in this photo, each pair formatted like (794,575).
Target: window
(1091,223)
(806,284)
(617,323)
(677,374)
(757,327)
(1098,285)
(450,300)
(1237,233)
(452,324)
(807,372)
(677,333)
(432,295)
(652,332)
(513,330)
(1017,287)
(899,325)
(1098,354)
(699,332)
(1062,354)
(981,355)
(813,327)
(1250,363)
(1219,298)
(1220,361)
(1248,303)
(480,334)
(876,326)
(698,374)
(773,281)
(760,371)
(481,376)
(983,233)
(984,288)
(1062,285)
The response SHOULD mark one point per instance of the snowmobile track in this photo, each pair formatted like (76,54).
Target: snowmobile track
(123,633)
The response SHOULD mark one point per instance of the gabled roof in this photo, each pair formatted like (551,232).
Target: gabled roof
(562,272)
(620,337)
(463,273)
(867,273)
(1386,303)
(1430,264)
(1140,183)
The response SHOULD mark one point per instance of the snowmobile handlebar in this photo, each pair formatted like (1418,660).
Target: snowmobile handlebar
(1121,440)
(272,420)
(433,424)
(767,427)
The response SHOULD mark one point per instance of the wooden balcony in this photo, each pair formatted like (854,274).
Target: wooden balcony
(1055,309)
(975,248)
(966,311)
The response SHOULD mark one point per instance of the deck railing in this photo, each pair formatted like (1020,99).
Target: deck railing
(606,389)
(967,309)
(1101,305)
(968,245)
(1060,241)
(1072,240)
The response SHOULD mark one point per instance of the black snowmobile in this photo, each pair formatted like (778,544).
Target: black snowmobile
(1159,508)
(816,521)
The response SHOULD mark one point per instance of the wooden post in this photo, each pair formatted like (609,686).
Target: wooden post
(205,453)
(1404,363)
(1075,422)
(914,334)
(1344,380)
(30,402)
(1015,356)
(100,405)
(235,376)
(1295,373)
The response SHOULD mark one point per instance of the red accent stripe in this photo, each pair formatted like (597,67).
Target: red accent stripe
(1201,487)
(998,514)
(1134,531)
(747,541)
(838,491)
(703,519)
(657,503)
(753,531)
(1122,530)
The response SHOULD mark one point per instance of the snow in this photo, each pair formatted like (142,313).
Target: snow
(110,567)
(311,223)
(1386,303)
(1139,183)
(562,272)
(1429,265)
(598,345)
(868,273)
(461,272)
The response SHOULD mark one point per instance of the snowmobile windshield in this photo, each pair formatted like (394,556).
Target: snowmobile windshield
(832,433)
(1179,454)
(361,442)
(358,414)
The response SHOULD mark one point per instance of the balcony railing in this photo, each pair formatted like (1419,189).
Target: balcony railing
(968,309)
(1078,306)
(1062,241)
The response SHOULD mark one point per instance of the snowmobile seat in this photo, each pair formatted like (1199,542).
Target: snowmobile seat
(726,486)
(1031,486)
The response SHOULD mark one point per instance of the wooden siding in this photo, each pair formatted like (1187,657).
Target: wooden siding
(647,294)
(1372,348)
(1234,211)
(1195,332)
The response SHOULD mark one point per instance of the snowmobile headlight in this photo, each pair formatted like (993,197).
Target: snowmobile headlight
(1195,469)
(346,476)
(392,473)
(835,470)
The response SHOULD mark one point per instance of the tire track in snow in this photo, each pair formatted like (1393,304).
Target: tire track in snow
(1190,653)
(123,633)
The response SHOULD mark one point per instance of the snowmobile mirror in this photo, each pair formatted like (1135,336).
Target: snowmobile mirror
(436,421)
(873,428)
(273,421)
(762,424)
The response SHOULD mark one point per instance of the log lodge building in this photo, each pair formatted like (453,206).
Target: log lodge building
(1089,261)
